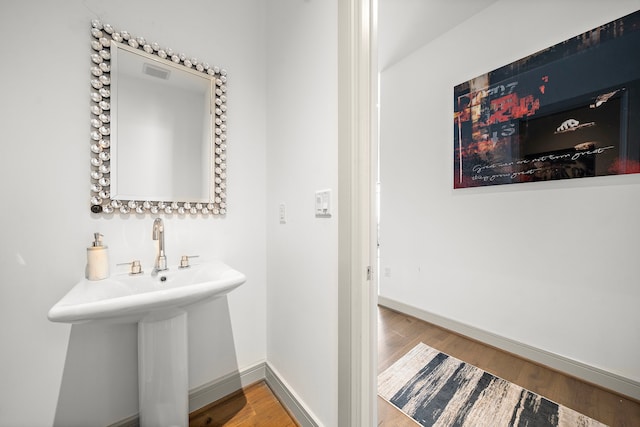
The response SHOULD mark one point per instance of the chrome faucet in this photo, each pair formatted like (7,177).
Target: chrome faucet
(158,234)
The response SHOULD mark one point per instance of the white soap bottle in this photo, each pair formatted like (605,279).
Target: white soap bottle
(97,259)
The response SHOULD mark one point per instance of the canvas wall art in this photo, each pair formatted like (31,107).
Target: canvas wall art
(569,111)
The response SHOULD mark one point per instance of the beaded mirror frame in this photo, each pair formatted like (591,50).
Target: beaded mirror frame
(101,200)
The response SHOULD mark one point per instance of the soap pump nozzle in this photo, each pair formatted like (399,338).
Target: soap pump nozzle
(97,240)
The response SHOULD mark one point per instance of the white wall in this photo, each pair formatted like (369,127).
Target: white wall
(87,375)
(302,305)
(550,264)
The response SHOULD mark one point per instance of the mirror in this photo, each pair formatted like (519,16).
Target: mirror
(158,138)
(161,129)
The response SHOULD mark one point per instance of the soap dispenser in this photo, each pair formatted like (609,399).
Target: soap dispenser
(97,259)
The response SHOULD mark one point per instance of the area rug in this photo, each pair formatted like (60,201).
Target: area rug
(435,389)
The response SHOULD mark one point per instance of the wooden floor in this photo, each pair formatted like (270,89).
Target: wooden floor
(255,406)
(398,333)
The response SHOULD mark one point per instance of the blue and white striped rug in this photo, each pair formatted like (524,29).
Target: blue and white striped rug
(439,390)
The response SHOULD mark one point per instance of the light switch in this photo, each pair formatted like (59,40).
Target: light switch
(323,204)
(282,213)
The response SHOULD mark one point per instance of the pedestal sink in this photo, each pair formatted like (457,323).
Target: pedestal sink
(157,302)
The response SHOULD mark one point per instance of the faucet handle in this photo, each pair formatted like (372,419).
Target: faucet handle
(135,267)
(184,260)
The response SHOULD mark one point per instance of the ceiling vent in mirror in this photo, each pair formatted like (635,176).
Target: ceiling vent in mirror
(155,71)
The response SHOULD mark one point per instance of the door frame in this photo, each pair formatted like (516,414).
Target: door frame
(357,157)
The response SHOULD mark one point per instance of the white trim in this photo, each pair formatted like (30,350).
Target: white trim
(356,336)
(560,363)
(290,400)
(210,392)
(132,421)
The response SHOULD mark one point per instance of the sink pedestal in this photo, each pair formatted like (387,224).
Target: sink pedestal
(163,377)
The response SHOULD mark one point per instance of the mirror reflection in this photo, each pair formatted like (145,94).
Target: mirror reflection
(161,132)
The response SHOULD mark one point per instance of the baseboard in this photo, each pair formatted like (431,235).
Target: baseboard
(289,399)
(217,389)
(132,421)
(597,376)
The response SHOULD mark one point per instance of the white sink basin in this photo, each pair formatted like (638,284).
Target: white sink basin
(157,303)
(130,298)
